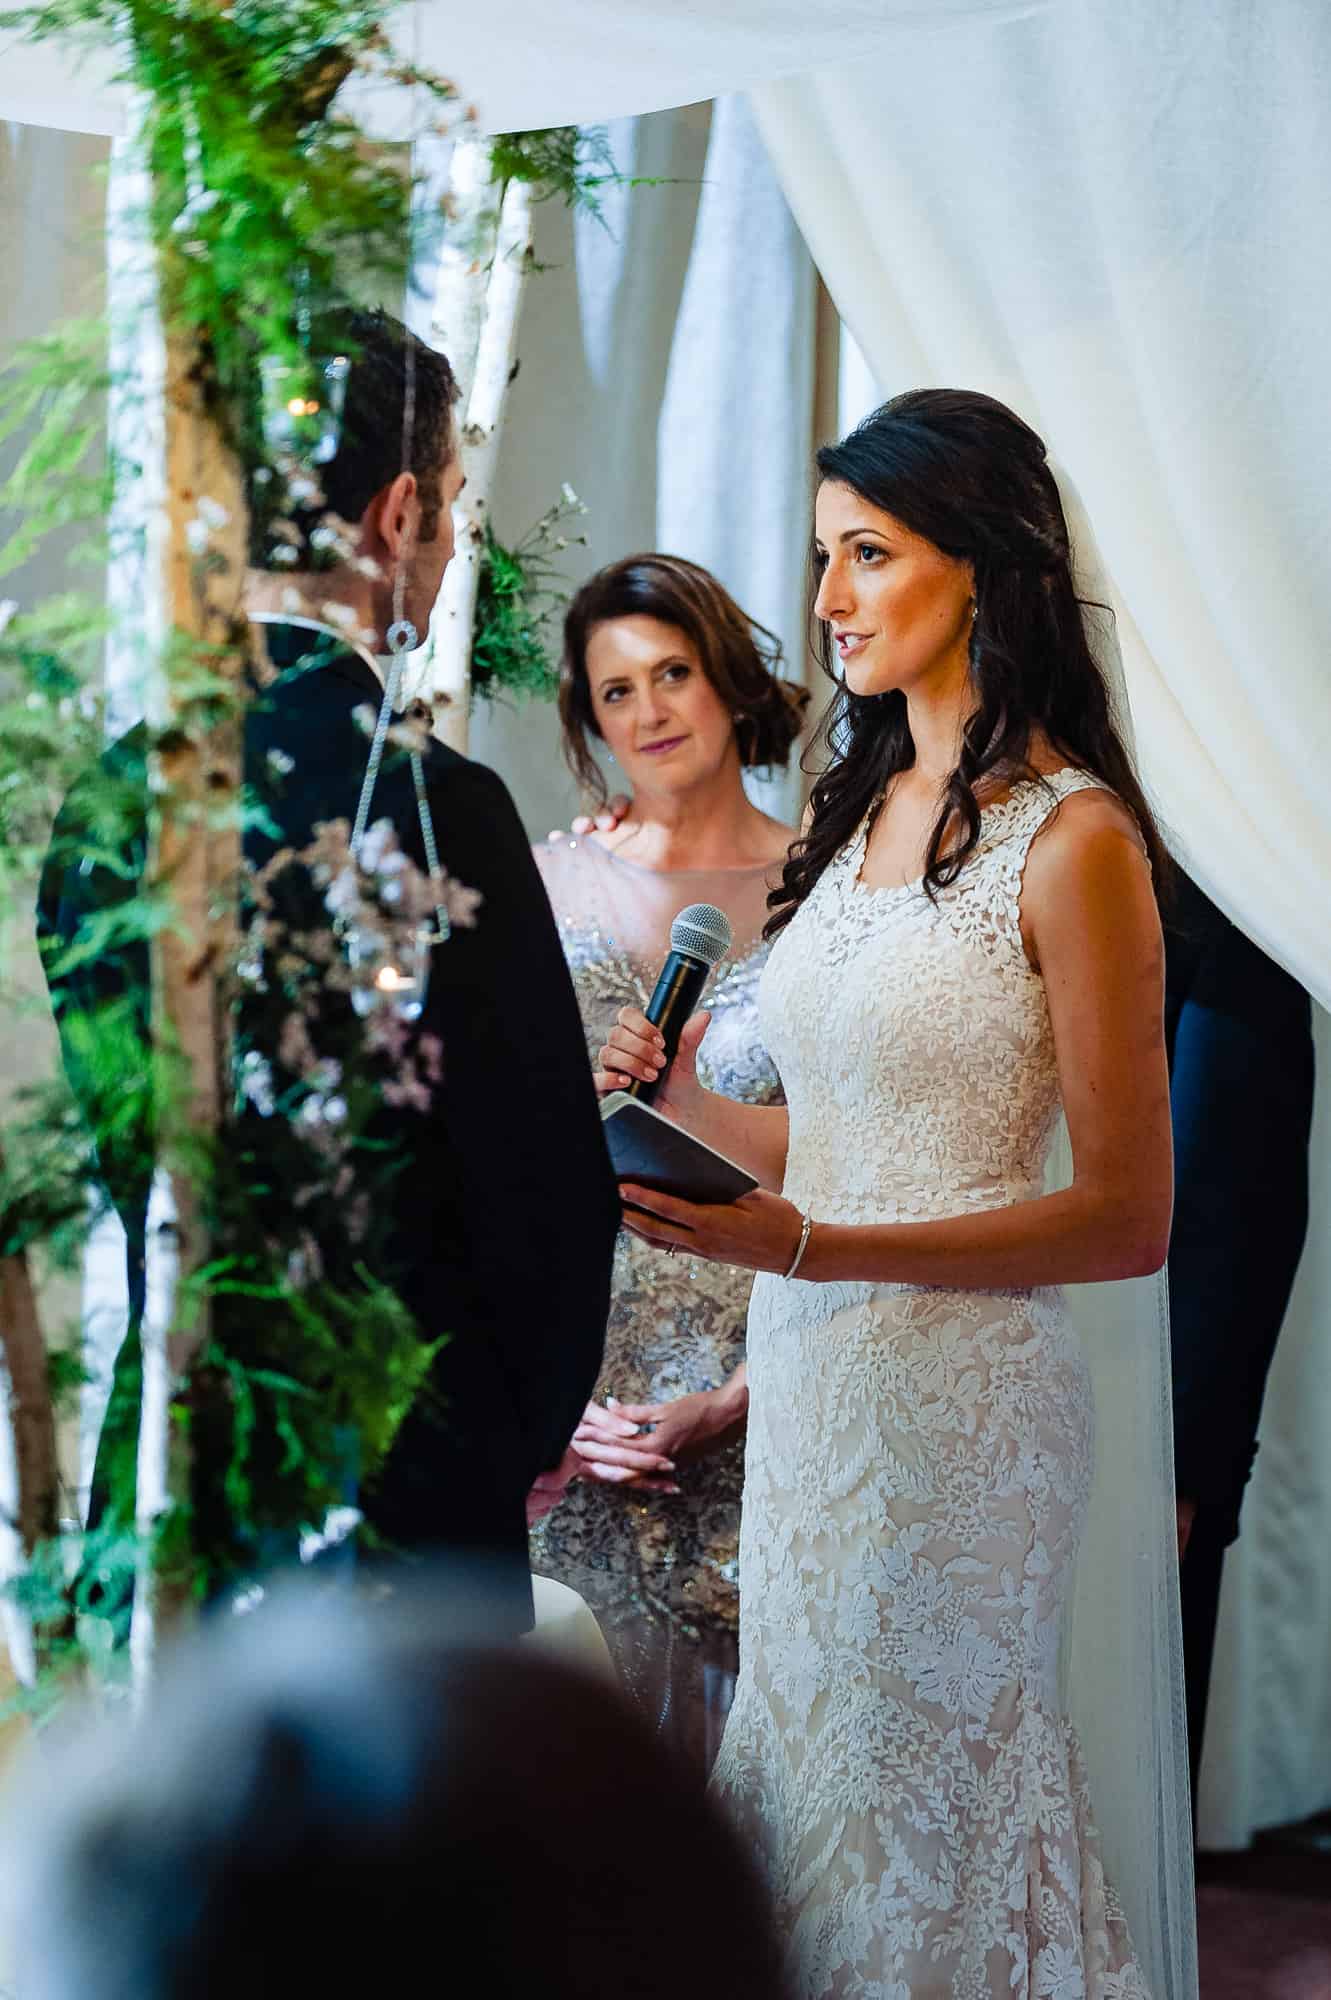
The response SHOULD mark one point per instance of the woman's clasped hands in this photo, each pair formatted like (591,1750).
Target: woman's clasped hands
(637,1445)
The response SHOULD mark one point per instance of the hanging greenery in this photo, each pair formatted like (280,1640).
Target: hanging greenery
(521,593)
(269,213)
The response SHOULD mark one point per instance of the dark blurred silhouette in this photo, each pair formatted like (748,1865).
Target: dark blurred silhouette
(356,1798)
(1239,1029)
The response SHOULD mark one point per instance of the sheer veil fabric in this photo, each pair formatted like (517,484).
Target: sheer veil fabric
(1122,1661)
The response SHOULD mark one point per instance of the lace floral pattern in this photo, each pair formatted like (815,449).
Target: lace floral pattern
(674,1326)
(918,1466)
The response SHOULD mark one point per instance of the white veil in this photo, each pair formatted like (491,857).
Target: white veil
(1123,1645)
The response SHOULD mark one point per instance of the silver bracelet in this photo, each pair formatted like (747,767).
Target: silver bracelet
(806,1228)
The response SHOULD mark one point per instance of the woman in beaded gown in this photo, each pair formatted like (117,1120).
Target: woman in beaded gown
(664,668)
(967,936)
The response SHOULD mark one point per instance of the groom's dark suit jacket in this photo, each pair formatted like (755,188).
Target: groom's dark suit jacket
(504,1217)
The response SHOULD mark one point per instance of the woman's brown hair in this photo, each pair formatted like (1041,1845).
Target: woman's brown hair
(737,654)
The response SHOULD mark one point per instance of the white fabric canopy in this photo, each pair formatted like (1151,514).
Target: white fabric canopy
(1111,217)
(531,64)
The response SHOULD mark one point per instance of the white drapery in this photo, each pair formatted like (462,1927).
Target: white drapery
(668,375)
(1111,219)
(532,64)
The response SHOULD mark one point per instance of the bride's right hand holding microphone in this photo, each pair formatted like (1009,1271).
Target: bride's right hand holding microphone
(635,1052)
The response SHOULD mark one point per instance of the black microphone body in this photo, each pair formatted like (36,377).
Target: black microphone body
(674,998)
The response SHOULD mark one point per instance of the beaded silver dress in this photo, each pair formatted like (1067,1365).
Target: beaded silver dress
(660,1570)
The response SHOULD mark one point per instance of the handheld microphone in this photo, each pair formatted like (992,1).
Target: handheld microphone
(699,939)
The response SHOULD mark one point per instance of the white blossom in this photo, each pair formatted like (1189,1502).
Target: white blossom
(256,1083)
(342,897)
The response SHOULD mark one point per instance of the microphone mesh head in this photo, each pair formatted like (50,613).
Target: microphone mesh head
(702,931)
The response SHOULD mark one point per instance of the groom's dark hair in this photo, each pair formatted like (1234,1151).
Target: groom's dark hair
(397,416)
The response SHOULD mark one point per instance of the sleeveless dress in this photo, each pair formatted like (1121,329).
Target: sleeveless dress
(917,1473)
(660,1570)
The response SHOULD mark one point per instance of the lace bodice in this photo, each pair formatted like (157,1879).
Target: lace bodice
(931,1087)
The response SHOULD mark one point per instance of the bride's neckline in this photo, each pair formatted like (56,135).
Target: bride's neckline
(857,852)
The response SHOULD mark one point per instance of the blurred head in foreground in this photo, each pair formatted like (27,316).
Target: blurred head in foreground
(328,1801)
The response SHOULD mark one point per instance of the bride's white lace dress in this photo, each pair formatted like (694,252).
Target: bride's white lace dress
(917,1472)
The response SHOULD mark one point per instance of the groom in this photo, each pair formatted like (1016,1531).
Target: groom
(504,1218)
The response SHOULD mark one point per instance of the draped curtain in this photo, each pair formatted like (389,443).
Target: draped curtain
(1110,218)
(667,373)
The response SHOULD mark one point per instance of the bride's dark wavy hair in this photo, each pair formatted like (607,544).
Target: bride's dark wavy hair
(968,475)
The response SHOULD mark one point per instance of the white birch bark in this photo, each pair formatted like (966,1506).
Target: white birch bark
(187,504)
(478,308)
(29,1470)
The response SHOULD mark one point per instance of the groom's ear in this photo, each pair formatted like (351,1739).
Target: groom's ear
(391,521)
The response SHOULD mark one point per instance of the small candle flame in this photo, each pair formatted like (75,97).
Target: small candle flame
(389,980)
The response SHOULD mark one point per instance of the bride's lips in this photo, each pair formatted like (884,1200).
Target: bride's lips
(850,643)
(664,747)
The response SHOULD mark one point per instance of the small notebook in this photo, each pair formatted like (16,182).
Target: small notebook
(647,1148)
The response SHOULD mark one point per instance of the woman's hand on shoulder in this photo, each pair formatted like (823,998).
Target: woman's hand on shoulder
(605,821)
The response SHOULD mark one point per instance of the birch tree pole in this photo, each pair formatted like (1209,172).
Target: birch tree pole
(188,496)
(29,1472)
(483,271)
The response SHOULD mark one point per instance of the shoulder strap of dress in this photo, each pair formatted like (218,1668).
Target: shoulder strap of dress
(1030,805)
(1013,827)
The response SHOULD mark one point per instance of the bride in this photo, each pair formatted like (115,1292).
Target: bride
(966,937)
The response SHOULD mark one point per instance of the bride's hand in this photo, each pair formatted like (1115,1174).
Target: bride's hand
(759,1232)
(636,1050)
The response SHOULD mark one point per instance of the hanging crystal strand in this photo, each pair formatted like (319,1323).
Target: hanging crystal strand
(444,924)
(402,987)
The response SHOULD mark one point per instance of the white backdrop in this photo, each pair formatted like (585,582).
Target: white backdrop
(667,374)
(1111,217)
